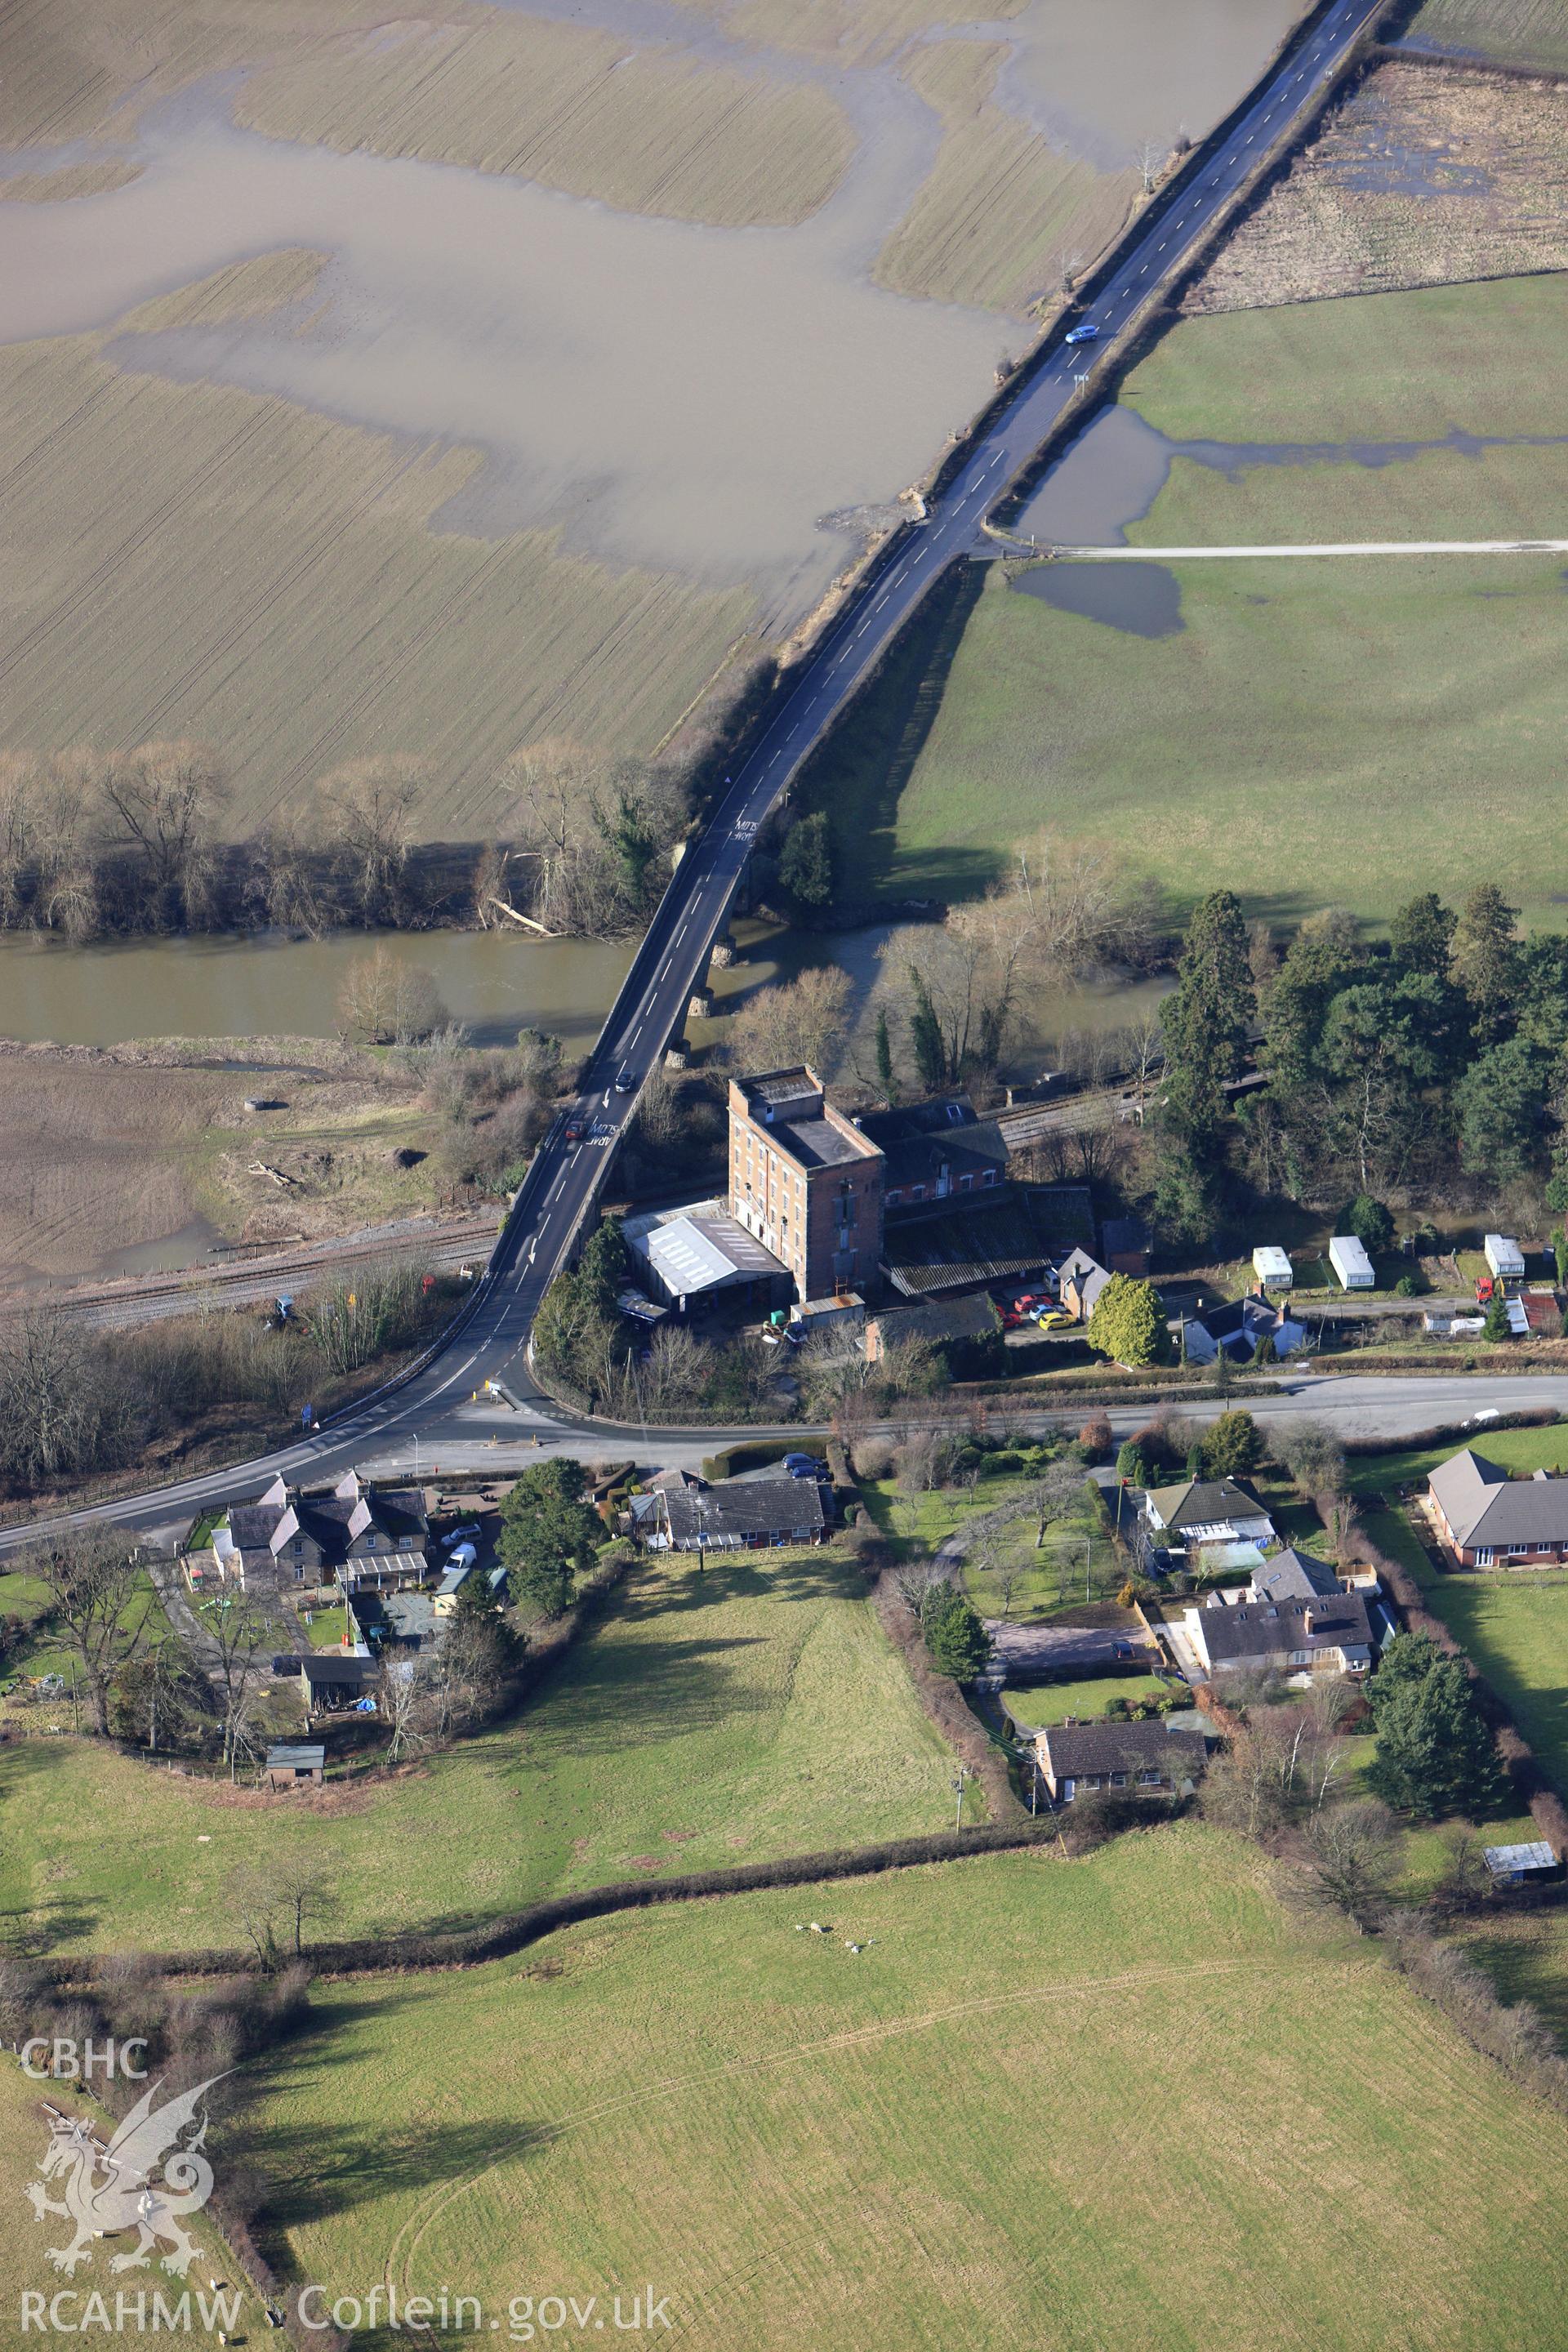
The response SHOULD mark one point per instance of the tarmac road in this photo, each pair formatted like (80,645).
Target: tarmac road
(490,1338)
(434,1427)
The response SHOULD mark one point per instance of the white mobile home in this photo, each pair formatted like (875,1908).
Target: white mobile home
(1504,1256)
(1351,1263)
(1273,1268)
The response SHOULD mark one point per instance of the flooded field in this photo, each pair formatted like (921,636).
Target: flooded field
(1111,475)
(620,340)
(1421,176)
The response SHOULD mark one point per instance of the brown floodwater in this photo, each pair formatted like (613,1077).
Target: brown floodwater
(276,987)
(492,981)
(1101,78)
(668,394)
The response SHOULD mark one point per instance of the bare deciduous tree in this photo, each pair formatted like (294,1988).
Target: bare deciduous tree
(801,1020)
(1352,1851)
(384,1001)
(97,1600)
(167,796)
(367,810)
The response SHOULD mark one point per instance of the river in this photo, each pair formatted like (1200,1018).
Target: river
(492,981)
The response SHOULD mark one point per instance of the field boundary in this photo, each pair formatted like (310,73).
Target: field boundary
(515,1931)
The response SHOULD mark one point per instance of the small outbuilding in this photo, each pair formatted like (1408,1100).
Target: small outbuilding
(1273,1268)
(296,1764)
(1520,1866)
(1504,1256)
(1351,1263)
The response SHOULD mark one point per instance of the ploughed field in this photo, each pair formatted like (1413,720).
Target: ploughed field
(435,389)
(1085,2105)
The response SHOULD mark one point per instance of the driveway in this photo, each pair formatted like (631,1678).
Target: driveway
(1032,1653)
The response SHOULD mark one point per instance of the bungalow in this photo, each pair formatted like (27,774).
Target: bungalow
(1146,1760)
(737,1515)
(1322,1634)
(1239,1329)
(1207,1511)
(1485,1517)
(1293,1575)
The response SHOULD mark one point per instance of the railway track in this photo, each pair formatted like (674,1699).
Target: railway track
(231,1280)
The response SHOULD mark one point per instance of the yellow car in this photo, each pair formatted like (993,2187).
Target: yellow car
(1053,1319)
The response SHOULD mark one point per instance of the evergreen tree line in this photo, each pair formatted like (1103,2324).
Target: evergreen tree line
(1436,1058)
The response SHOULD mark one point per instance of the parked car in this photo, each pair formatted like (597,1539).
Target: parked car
(804,1466)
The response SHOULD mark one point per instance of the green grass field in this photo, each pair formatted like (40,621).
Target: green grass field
(1327,731)
(24,2135)
(754,1710)
(1086,2105)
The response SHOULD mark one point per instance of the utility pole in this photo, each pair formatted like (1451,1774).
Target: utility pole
(960,1778)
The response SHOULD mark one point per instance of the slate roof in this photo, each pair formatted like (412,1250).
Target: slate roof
(1484,1505)
(960,1248)
(336,1666)
(920,1139)
(1205,1503)
(1070,1749)
(744,1507)
(1294,1575)
(1262,1629)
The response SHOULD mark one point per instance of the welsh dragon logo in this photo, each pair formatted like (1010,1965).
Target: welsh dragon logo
(112,2189)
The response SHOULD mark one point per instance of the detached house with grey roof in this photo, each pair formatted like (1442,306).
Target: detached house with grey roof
(1139,1759)
(1320,1633)
(1490,1520)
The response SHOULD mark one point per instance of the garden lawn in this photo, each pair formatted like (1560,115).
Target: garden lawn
(934,2141)
(752,1710)
(1515,1627)
(1032,1707)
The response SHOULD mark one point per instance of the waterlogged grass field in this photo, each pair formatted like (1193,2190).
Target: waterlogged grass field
(1085,2105)
(1410,705)
(756,1709)
(1510,32)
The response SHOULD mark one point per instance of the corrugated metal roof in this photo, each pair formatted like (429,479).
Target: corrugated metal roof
(1536,1855)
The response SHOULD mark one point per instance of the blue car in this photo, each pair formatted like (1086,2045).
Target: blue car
(1084,334)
